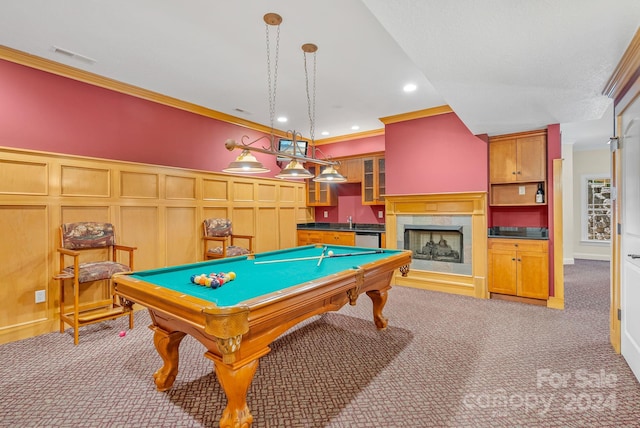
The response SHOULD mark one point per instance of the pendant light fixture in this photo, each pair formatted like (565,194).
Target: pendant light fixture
(246,163)
(294,170)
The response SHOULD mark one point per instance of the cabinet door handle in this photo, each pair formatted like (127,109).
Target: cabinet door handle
(519,172)
(513,173)
(513,259)
(519,260)
(634,256)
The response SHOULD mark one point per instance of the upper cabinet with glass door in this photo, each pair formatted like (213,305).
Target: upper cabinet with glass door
(320,194)
(373,180)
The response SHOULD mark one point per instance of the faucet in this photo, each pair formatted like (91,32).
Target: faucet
(350,221)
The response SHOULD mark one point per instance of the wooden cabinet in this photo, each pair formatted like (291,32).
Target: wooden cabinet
(320,194)
(351,169)
(519,267)
(306,237)
(373,180)
(517,165)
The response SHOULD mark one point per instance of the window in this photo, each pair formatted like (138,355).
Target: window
(596,208)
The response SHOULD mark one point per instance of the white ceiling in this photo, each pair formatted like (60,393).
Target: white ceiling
(502,65)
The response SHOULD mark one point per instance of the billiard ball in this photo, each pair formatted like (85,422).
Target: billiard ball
(330,253)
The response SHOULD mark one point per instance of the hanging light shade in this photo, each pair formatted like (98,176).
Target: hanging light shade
(330,175)
(294,170)
(246,163)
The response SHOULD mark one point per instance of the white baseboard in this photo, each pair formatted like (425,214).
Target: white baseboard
(569,261)
(602,257)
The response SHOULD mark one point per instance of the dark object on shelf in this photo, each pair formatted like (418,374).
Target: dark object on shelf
(519,232)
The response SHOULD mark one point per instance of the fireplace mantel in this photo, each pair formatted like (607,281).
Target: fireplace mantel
(470,204)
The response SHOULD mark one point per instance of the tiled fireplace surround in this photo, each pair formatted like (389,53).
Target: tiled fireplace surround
(460,211)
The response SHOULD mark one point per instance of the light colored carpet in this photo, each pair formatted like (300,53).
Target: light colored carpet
(444,361)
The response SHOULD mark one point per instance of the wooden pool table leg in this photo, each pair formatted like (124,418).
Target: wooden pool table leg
(167,345)
(235,382)
(379,299)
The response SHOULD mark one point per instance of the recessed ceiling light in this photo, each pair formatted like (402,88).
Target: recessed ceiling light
(410,87)
(282,119)
(325,132)
(355,127)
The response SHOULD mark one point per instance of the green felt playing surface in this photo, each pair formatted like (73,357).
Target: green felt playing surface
(253,280)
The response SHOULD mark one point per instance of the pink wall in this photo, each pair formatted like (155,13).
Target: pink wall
(435,154)
(354,147)
(350,204)
(43,111)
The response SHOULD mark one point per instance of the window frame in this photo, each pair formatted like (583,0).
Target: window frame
(584,204)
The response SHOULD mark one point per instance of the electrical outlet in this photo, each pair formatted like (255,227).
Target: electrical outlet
(41,296)
(521,190)
(380,214)
(326,214)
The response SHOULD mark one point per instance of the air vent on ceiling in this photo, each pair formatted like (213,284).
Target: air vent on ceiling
(74,55)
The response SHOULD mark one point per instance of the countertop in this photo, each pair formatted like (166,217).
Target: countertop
(519,232)
(343,227)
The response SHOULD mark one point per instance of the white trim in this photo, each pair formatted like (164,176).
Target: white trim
(583,206)
(586,256)
(569,261)
(596,243)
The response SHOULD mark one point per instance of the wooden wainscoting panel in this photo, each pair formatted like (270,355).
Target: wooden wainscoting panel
(23,178)
(244,221)
(287,237)
(180,187)
(139,227)
(215,190)
(183,236)
(24,251)
(243,191)
(74,213)
(267,229)
(82,181)
(288,194)
(214,212)
(135,184)
(267,192)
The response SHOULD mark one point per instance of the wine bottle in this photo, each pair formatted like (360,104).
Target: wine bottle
(540,194)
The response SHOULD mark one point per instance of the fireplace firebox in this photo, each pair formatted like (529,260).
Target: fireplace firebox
(434,242)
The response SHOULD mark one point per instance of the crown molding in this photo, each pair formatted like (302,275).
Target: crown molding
(341,138)
(627,71)
(434,111)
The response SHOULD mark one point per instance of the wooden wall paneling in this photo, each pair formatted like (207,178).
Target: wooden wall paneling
(267,235)
(180,187)
(74,213)
(82,181)
(268,192)
(214,212)
(24,178)
(288,194)
(244,223)
(140,227)
(137,184)
(183,236)
(215,189)
(287,237)
(243,190)
(24,251)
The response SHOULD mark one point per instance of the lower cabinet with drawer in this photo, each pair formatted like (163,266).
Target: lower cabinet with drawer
(519,267)
(306,237)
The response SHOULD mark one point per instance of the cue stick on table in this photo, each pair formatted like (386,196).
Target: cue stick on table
(324,250)
(317,257)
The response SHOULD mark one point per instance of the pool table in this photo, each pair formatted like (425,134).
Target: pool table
(272,292)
